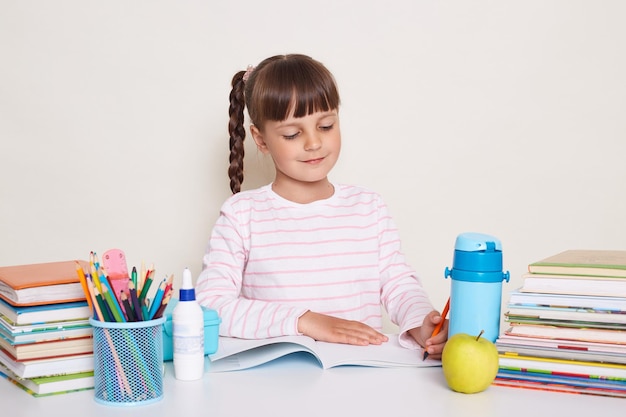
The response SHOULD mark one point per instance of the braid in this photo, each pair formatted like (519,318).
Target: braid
(237,132)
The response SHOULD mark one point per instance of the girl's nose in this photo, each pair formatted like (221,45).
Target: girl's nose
(312,142)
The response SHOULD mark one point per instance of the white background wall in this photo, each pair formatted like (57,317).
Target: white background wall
(500,117)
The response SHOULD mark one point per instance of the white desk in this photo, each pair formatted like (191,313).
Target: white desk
(296,386)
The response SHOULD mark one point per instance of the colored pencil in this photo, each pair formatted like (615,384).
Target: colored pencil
(128,308)
(159,313)
(112,302)
(83,283)
(156,302)
(95,277)
(135,301)
(142,278)
(133,276)
(105,310)
(144,309)
(97,312)
(146,287)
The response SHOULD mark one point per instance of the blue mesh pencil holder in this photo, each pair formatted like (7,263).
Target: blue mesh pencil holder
(128,362)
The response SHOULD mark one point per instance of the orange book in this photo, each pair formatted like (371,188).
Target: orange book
(42,283)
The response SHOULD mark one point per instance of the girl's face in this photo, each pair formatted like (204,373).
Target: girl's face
(303,149)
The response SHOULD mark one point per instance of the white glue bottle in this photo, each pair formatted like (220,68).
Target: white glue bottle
(188,332)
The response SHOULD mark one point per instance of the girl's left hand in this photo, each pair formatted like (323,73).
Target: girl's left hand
(335,330)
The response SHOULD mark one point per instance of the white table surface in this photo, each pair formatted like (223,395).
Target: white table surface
(297,386)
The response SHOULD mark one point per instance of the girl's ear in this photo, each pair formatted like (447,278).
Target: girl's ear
(258,139)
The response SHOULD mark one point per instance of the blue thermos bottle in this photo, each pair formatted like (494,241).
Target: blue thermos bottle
(476,290)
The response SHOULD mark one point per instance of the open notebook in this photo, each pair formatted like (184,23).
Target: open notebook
(238,354)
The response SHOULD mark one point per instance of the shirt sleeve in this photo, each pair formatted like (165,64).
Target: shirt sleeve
(402,293)
(220,282)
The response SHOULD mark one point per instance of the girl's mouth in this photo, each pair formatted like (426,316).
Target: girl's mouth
(314,161)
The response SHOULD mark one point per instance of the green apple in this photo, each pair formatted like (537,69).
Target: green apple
(470,363)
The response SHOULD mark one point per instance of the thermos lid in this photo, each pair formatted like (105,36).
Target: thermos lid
(477,258)
(471,242)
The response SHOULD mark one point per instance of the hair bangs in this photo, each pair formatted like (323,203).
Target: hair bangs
(293,87)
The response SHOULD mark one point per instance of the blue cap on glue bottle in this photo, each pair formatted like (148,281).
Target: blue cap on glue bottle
(187,291)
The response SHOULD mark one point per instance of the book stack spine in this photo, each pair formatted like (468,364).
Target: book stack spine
(566,326)
(47,348)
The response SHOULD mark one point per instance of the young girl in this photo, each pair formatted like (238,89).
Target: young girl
(303,255)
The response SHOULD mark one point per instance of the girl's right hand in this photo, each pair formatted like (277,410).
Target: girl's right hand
(335,330)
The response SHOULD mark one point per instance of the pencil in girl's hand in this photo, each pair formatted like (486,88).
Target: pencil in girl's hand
(437,328)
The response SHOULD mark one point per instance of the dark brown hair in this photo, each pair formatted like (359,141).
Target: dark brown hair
(277,87)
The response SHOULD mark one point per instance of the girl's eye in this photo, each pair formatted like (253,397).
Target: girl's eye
(290,137)
(328,127)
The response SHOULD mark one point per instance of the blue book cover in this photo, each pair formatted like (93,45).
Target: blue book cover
(44,313)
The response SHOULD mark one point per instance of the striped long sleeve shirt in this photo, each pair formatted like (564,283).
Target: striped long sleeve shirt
(270,260)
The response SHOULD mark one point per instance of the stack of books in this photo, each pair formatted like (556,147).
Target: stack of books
(566,325)
(46,344)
